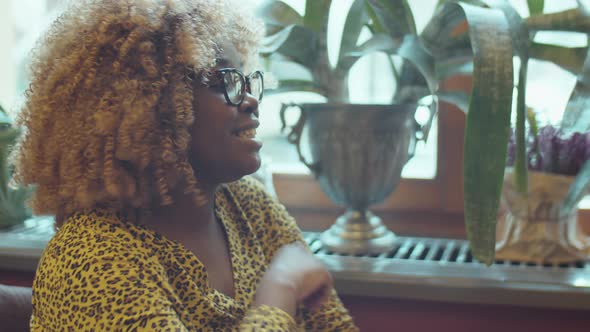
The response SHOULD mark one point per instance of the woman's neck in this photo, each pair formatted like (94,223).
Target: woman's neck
(184,216)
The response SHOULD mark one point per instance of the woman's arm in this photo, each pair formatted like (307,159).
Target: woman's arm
(278,229)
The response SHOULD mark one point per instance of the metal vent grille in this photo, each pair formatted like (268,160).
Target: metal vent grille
(433,250)
(445,270)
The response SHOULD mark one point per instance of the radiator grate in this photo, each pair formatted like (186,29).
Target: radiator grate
(434,250)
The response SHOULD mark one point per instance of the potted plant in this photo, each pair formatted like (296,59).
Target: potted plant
(480,221)
(13,209)
(478,39)
(358,151)
(540,225)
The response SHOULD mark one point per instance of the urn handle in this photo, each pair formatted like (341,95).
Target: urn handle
(421,131)
(294,136)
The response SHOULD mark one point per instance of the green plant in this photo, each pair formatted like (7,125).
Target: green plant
(472,38)
(13,209)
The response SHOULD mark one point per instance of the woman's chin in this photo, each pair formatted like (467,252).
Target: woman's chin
(253,165)
(244,167)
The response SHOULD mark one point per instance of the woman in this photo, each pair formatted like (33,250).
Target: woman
(140,128)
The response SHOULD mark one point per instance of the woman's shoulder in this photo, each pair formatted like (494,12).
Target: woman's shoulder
(248,186)
(251,195)
(261,208)
(93,235)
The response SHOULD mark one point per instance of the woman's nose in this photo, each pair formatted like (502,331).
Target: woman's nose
(249,104)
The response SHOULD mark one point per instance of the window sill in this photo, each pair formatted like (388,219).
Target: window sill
(443,270)
(418,268)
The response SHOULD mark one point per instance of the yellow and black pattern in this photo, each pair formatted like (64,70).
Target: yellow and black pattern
(100,273)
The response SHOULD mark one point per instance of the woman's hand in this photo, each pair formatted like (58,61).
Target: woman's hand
(294,276)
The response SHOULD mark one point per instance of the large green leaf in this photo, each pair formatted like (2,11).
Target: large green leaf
(535,6)
(414,52)
(393,17)
(377,43)
(457,98)
(440,3)
(296,85)
(568,58)
(576,117)
(294,42)
(283,70)
(569,20)
(356,19)
(278,13)
(488,118)
(452,67)
(316,15)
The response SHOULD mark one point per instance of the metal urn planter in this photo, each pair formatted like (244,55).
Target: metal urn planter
(357,155)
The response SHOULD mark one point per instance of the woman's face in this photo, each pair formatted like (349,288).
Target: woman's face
(224,147)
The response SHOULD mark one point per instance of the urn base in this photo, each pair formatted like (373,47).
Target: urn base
(358,233)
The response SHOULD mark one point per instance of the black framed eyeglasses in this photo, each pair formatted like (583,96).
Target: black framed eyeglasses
(235,85)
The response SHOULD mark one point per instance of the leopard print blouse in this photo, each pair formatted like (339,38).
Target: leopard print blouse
(100,273)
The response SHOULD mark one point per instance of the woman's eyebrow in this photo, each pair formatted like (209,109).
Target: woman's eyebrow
(223,62)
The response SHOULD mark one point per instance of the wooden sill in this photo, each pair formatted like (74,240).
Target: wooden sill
(418,223)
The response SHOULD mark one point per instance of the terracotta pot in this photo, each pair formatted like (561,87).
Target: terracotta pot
(534,227)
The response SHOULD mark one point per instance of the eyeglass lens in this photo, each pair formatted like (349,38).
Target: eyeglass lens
(233,82)
(234,85)
(256,85)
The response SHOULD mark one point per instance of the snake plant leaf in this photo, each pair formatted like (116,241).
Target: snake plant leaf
(518,28)
(488,117)
(277,15)
(535,6)
(568,58)
(316,15)
(296,85)
(520,43)
(576,117)
(393,17)
(578,189)
(355,21)
(457,98)
(447,43)
(294,42)
(575,19)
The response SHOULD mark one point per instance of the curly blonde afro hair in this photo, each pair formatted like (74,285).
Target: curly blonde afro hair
(110,105)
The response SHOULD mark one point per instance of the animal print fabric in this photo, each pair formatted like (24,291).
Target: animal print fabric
(100,273)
